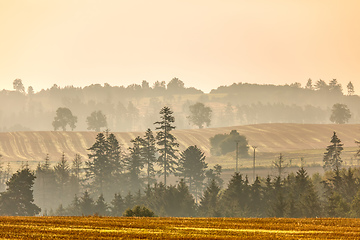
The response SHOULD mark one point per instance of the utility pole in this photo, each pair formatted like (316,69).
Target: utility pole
(254,147)
(237,155)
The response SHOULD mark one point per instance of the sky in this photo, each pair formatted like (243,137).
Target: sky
(205,43)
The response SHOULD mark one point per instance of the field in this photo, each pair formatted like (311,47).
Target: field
(293,140)
(176,228)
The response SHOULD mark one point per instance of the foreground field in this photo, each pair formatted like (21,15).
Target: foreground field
(175,228)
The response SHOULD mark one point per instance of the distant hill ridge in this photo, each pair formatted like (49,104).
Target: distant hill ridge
(272,137)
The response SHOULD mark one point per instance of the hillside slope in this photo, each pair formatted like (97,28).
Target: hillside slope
(33,146)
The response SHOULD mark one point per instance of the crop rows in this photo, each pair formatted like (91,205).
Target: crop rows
(269,138)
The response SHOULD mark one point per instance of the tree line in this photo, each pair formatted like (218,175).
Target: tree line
(120,181)
(135,107)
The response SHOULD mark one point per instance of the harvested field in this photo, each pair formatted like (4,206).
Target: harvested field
(176,228)
(270,140)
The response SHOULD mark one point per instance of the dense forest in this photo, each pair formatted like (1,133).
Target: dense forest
(135,107)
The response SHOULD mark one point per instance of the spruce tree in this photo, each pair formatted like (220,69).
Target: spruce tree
(99,167)
(118,205)
(209,203)
(104,167)
(86,204)
(134,164)
(149,155)
(167,143)
(256,196)
(308,203)
(192,168)
(62,177)
(235,198)
(101,207)
(18,199)
(332,159)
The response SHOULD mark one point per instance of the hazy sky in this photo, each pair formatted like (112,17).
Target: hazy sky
(205,43)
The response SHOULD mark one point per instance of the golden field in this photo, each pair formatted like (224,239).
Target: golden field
(176,228)
(294,140)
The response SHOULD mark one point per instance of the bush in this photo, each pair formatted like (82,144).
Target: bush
(138,211)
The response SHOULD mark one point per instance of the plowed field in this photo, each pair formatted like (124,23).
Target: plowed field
(269,138)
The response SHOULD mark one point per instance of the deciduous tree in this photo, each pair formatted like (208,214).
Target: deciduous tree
(340,113)
(96,121)
(63,118)
(200,115)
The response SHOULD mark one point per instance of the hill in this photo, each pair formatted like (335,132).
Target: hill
(269,138)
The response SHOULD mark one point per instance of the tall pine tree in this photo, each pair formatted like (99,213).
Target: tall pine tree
(167,143)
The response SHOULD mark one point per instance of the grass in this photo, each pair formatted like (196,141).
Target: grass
(176,228)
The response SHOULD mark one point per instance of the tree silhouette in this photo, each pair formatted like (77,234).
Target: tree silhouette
(340,113)
(167,143)
(96,121)
(18,198)
(63,118)
(200,115)
(134,164)
(350,88)
(148,151)
(209,204)
(332,159)
(192,168)
(18,85)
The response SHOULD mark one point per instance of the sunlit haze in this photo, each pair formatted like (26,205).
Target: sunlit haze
(205,43)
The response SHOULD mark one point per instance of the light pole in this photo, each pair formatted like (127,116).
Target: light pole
(254,147)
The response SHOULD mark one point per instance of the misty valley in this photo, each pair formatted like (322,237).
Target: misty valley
(244,150)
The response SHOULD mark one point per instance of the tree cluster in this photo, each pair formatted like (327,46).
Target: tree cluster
(222,144)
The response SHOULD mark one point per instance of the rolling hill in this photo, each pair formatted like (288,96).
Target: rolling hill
(269,138)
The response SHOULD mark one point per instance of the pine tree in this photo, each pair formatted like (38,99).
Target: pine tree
(309,84)
(45,186)
(215,174)
(209,203)
(350,88)
(104,167)
(332,159)
(256,198)
(149,155)
(186,207)
(192,168)
(307,201)
(62,177)
(99,167)
(18,199)
(86,204)
(129,200)
(76,173)
(134,164)
(235,199)
(74,209)
(101,207)
(278,204)
(167,143)
(118,205)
